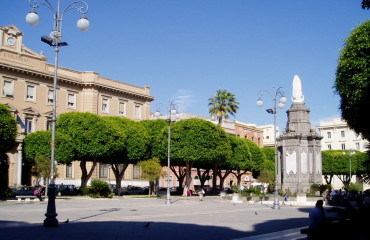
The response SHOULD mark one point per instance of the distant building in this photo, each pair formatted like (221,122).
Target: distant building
(268,135)
(338,136)
(26,86)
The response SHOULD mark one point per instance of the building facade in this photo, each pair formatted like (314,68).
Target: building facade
(338,136)
(26,87)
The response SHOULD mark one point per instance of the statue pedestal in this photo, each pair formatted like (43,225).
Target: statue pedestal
(301,198)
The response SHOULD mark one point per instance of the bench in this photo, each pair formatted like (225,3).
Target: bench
(28,198)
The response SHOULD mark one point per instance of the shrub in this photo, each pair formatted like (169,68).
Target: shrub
(235,188)
(99,188)
(354,187)
(320,188)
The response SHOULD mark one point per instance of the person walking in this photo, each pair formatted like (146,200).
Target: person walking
(188,194)
(201,193)
(37,193)
(286,196)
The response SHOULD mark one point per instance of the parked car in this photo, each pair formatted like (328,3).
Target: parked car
(24,190)
(67,190)
(161,191)
(132,191)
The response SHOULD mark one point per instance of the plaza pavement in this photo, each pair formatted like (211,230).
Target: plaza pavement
(144,218)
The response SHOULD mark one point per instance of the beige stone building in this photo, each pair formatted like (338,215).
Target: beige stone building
(26,86)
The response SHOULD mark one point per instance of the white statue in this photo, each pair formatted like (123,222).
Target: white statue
(297,90)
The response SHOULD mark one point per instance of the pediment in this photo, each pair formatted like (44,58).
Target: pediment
(30,111)
(12,108)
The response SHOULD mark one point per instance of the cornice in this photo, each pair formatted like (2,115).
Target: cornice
(75,82)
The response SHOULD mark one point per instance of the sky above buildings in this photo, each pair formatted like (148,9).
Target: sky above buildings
(186,50)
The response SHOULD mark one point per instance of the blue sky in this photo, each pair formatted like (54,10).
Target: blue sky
(186,50)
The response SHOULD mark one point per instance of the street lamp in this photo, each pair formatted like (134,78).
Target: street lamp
(278,93)
(172,116)
(350,163)
(55,40)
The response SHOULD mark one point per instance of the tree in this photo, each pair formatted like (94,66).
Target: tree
(41,168)
(222,104)
(365,4)
(133,148)
(197,141)
(93,138)
(269,163)
(150,170)
(339,162)
(352,82)
(241,159)
(258,158)
(8,129)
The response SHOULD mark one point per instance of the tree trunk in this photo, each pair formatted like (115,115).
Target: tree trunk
(203,176)
(180,175)
(222,178)
(119,175)
(189,166)
(214,176)
(86,175)
(239,173)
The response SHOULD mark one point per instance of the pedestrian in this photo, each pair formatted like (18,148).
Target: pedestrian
(188,194)
(37,193)
(286,196)
(201,193)
(316,219)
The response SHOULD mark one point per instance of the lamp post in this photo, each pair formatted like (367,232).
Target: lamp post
(55,40)
(279,92)
(351,153)
(172,116)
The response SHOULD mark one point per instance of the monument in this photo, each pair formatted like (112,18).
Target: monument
(299,147)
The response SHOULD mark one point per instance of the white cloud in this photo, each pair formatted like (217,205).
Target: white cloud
(184,99)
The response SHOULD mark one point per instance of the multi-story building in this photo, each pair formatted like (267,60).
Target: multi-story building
(26,86)
(268,135)
(338,136)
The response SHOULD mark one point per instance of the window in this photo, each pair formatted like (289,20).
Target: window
(71,100)
(267,137)
(8,89)
(357,146)
(69,171)
(343,146)
(50,96)
(136,173)
(137,112)
(122,109)
(329,146)
(329,134)
(342,134)
(104,105)
(103,170)
(30,92)
(29,125)
(49,123)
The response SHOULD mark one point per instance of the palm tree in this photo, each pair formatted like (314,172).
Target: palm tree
(222,104)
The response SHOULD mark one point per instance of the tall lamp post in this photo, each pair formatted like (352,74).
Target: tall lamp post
(55,40)
(172,116)
(279,92)
(351,153)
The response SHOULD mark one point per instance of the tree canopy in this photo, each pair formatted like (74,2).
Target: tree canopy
(8,129)
(353,79)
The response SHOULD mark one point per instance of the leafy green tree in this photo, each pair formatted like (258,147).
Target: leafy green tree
(241,159)
(41,168)
(155,129)
(258,157)
(133,148)
(352,82)
(267,176)
(196,141)
(150,170)
(365,4)
(334,162)
(222,104)
(269,163)
(93,139)
(8,129)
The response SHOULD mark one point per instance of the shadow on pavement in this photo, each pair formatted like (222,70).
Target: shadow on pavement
(137,230)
